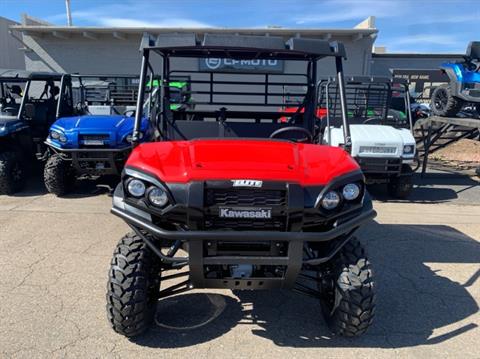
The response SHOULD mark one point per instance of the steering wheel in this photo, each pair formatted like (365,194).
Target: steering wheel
(126,113)
(308,136)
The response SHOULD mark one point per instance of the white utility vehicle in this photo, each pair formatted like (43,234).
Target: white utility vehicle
(381,137)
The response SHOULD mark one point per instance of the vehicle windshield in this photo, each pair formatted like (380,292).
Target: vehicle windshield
(368,103)
(11,95)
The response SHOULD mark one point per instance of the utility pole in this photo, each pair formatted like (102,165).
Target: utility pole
(69,13)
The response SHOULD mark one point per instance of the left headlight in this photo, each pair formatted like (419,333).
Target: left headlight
(347,193)
(351,191)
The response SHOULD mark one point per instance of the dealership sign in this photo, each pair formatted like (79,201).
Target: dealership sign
(252,65)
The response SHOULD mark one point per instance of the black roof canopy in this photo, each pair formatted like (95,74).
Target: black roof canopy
(241,46)
(6,74)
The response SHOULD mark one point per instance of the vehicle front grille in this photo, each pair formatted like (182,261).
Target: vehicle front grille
(245,197)
(94,137)
(380,165)
(275,224)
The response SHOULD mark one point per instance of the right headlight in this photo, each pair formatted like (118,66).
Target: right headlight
(136,188)
(155,195)
(130,137)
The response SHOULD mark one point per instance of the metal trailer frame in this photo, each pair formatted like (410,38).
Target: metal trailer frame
(435,134)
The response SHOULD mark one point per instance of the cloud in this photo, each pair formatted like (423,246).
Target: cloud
(337,11)
(426,39)
(453,19)
(133,14)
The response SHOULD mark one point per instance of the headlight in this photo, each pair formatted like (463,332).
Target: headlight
(330,200)
(408,149)
(58,136)
(136,188)
(157,196)
(351,191)
(130,137)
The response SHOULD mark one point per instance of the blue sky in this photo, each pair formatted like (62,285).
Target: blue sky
(441,26)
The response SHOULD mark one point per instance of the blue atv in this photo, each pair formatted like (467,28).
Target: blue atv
(29,104)
(98,140)
(463,88)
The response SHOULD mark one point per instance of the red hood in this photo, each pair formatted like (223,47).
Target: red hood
(268,160)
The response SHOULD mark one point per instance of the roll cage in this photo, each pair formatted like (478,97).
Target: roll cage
(257,97)
(27,77)
(369,101)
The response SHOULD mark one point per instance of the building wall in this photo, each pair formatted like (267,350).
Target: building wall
(382,64)
(10,55)
(109,55)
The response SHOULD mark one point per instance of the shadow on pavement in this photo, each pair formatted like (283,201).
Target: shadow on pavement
(435,187)
(414,300)
(85,187)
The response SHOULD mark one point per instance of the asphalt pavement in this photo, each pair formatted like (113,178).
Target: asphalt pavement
(55,254)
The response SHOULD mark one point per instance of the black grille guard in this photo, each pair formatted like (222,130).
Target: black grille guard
(367,213)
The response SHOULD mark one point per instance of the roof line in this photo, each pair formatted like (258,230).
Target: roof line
(74,29)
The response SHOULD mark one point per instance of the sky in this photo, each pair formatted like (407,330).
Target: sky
(429,26)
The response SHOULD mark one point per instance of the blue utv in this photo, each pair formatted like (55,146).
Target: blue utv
(463,88)
(98,139)
(95,141)
(29,104)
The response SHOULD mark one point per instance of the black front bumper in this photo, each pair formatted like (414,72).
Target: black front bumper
(95,161)
(367,213)
(291,261)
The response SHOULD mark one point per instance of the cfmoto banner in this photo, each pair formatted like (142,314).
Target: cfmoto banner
(253,65)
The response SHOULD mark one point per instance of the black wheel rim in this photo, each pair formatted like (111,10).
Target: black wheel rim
(441,99)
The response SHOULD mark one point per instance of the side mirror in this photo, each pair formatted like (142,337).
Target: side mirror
(29,110)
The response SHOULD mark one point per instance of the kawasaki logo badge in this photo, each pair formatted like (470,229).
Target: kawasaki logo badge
(245,213)
(247,183)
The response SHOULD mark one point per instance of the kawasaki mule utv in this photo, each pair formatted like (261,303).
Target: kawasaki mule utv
(97,140)
(463,88)
(29,104)
(381,135)
(242,199)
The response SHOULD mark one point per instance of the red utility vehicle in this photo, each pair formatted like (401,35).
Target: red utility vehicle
(241,198)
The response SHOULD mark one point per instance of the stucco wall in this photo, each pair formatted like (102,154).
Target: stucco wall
(10,55)
(109,55)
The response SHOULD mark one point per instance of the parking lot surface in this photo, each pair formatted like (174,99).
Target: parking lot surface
(55,253)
